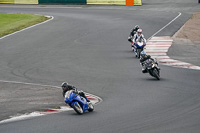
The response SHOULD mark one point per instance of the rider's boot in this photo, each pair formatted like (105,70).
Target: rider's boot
(144,70)
(87,100)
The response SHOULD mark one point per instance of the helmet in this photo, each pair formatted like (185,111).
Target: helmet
(64,84)
(137,27)
(139,31)
(142,54)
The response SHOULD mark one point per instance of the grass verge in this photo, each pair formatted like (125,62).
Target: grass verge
(14,22)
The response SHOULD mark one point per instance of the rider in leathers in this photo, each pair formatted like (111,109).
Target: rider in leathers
(132,33)
(66,87)
(138,36)
(143,58)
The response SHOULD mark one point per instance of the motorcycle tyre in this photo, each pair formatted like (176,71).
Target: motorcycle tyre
(138,52)
(156,74)
(78,110)
(90,107)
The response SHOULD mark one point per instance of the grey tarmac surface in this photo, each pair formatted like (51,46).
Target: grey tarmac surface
(185,50)
(88,47)
(19,98)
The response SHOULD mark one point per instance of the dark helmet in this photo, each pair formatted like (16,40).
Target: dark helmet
(64,85)
(137,27)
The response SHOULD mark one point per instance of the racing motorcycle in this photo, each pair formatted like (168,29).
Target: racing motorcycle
(130,39)
(152,68)
(139,46)
(78,103)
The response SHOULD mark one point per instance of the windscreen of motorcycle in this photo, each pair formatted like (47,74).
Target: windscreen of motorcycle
(140,43)
(149,63)
(67,94)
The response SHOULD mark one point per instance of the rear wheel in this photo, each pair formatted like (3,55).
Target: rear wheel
(91,107)
(76,106)
(138,52)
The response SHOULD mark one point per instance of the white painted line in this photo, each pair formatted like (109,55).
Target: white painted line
(35,114)
(195,67)
(156,54)
(178,63)
(161,43)
(21,117)
(171,61)
(162,57)
(165,25)
(160,40)
(96,101)
(166,60)
(156,51)
(16,82)
(51,18)
(149,45)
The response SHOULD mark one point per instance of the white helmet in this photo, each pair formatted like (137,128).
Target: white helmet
(139,31)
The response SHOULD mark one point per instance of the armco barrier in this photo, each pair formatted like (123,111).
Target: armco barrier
(138,2)
(107,2)
(7,1)
(78,2)
(26,1)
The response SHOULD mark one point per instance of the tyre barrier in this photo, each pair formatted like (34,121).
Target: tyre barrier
(78,2)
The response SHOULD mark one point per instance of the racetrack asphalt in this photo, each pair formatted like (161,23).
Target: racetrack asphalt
(88,47)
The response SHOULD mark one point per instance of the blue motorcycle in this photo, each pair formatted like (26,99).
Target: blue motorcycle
(139,46)
(78,103)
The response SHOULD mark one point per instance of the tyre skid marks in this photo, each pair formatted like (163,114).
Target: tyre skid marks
(93,98)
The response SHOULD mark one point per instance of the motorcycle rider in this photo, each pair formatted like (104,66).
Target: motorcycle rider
(143,58)
(133,32)
(66,87)
(139,36)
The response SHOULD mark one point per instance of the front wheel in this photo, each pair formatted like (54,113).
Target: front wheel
(156,74)
(76,106)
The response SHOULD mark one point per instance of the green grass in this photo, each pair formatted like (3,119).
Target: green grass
(10,23)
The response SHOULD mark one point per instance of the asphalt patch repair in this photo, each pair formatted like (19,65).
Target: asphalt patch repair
(186,42)
(19,98)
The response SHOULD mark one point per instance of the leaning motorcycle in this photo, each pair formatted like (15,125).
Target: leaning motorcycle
(139,46)
(130,39)
(152,68)
(78,103)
